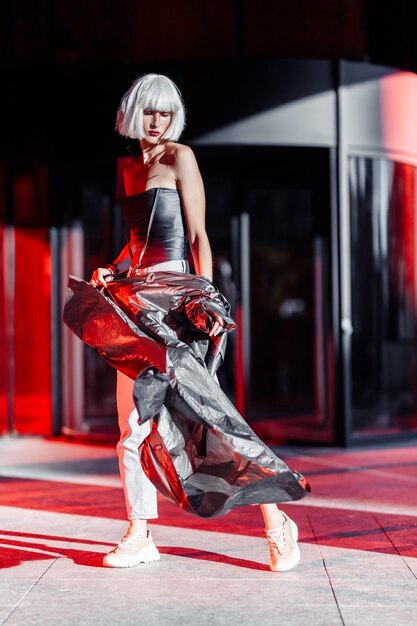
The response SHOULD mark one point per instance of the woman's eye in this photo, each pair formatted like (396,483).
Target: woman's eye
(161,113)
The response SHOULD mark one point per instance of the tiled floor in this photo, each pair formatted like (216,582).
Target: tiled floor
(62,508)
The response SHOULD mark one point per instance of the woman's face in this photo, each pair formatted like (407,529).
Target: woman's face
(155,124)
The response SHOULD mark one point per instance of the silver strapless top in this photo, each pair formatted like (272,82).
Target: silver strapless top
(168,240)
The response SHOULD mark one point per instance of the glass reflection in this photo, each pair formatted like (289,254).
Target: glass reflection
(290,296)
(383,274)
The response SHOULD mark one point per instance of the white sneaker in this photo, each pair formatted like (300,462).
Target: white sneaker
(131,551)
(283,547)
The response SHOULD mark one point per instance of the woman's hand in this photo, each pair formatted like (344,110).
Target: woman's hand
(101,276)
(217,326)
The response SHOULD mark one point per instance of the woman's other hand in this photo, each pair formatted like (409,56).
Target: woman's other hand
(217,326)
(101,276)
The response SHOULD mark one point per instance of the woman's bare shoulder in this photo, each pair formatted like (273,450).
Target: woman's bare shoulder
(180,150)
(182,156)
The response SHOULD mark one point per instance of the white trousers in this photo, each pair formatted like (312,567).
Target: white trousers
(140,494)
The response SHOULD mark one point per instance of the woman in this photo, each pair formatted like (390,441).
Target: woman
(165,209)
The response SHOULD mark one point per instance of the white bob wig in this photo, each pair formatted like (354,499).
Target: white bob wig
(157,93)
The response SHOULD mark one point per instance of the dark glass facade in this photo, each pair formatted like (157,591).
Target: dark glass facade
(271,222)
(270,219)
(93,235)
(270,214)
(314,245)
(383,285)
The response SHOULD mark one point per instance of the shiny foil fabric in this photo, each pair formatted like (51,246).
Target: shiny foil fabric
(200,453)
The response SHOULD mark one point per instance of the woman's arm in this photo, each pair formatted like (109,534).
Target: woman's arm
(191,188)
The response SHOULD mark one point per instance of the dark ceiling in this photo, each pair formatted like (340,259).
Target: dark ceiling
(87,32)
(65,63)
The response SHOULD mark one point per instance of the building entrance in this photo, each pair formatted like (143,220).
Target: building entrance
(278,201)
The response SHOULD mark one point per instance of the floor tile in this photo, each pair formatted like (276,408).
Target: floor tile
(385,593)
(379,616)
(12,591)
(158,601)
(5,611)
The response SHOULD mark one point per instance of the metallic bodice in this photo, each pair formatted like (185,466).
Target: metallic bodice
(168,240)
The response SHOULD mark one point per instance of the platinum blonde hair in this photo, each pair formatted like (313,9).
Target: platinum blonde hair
(157,93)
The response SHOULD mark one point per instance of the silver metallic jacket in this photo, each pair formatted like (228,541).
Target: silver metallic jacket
(200,453)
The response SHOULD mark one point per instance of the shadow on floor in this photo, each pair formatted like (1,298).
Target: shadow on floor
(22,551)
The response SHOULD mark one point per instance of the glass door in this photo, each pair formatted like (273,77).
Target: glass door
(287,200)
(92,235)
(383,283)
(279,203)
